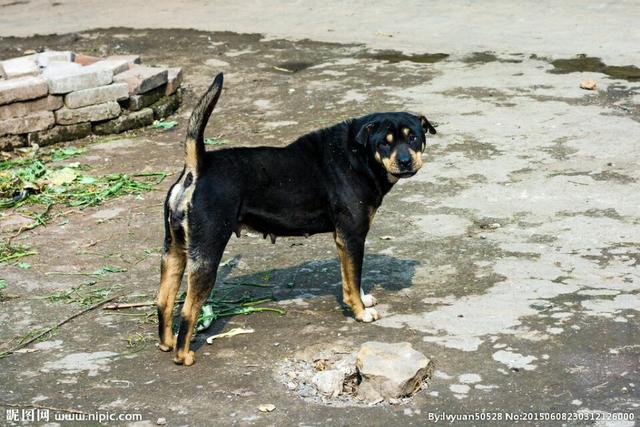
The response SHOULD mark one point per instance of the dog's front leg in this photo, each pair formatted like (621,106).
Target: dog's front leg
(351,253)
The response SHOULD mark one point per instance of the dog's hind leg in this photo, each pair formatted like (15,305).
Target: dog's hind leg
(171,270)
(202,267)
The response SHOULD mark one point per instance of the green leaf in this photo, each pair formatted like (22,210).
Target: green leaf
(161,124)
(24,265)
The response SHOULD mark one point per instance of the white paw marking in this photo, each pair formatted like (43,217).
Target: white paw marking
(367,299)
(370,315)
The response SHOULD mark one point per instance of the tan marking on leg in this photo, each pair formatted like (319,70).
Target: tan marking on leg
(350,293)
(171,271)
(196,296)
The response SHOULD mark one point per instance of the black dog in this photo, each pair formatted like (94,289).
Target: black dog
(331,180)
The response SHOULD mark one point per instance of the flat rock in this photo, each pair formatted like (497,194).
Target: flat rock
(125,122)
(59,134)
(97,95)
(17,109)
(390,370)
(19,67)
(22,88)
(142,79)
(65,77)
(91,113)
(33,122)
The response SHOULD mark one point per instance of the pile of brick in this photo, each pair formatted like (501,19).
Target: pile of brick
(57,96)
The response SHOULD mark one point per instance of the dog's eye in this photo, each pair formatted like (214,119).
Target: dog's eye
(412,138)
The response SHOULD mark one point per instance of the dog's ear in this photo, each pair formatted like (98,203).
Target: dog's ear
(362,137)
(427,126)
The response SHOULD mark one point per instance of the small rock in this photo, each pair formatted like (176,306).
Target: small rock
(267,407)
(391,370)
(588,84)
(494,225)
(386,237)
(161,421)
(291,385)
(329,382)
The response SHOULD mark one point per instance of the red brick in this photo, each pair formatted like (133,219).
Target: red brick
(84,60)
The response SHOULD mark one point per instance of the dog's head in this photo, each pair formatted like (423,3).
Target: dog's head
(396,141)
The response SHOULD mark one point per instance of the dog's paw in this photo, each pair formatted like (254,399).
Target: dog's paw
(368,300)
(369,315)
(169,345)
(186,359)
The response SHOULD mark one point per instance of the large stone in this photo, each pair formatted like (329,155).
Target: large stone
(91,113)
(10,142)
(115,65)
(25,124)
(97,95)
(174,79)
(44,59)
(142,79)
(22,88)
(138,102)
(125,122)
(390,370)
(59,134)
(24,108)
(68,77)
(19,67)
(166,106)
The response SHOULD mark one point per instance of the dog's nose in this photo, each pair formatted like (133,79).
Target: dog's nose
(404,160)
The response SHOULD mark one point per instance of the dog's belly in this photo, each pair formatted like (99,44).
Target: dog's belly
(287,223)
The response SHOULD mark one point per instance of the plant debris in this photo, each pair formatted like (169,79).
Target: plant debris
(38,180)
(233,332)
(83,295)
(165,125)
(10,252)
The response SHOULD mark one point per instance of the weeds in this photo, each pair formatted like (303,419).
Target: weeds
(84,295)
(10,252)
(38,180)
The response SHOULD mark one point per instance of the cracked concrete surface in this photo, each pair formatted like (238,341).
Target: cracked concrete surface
(511,259)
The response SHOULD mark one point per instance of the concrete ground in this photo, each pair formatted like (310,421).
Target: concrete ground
(511,259)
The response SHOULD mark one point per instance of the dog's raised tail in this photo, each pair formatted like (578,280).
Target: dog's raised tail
(194,144)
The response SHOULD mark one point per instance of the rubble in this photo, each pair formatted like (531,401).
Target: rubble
(339,375)
(56,96)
